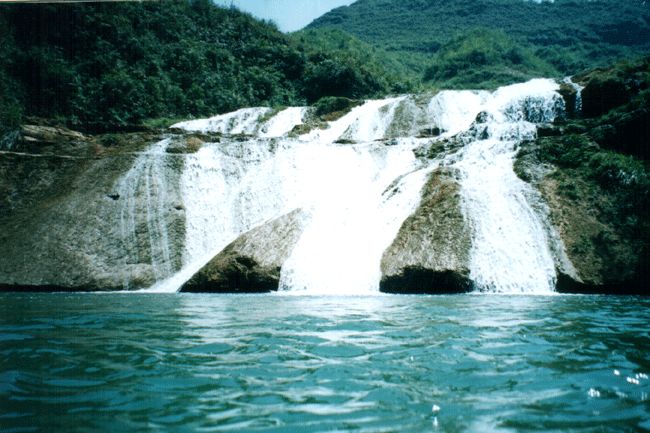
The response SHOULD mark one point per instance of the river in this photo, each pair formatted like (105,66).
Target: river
(284,363)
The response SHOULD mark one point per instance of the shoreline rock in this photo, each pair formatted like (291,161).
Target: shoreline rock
(600,227)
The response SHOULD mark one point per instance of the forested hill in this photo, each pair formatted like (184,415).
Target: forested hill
(111,65)
(114,64)
(565,35)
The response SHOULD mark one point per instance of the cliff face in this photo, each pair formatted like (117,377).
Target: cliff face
(592,171)
(62,221)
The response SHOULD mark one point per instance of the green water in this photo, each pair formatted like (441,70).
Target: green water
(271,363)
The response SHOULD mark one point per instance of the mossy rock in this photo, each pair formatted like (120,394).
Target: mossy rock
(331,108)
(597,202)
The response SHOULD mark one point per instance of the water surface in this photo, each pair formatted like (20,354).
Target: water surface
(273,363)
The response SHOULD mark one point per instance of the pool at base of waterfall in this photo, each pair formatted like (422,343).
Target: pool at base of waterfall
(278,363)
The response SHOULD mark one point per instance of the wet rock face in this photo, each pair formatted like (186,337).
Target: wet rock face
(61,215)
(431,251)
(605,257)
(252,262)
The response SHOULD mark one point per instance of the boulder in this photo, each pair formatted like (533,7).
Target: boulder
(252,262)
(430,253)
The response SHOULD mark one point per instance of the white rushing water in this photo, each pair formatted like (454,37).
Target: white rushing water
(358,179)
(353,219)
(510,246)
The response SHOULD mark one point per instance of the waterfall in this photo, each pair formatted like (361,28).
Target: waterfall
(244,121)
(143,216)
(454,111)
(357,179)
(511,250)
(578,88)
(354,216)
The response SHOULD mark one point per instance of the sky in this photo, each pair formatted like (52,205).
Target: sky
(289,15)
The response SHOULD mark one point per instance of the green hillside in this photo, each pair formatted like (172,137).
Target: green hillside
(434,37)
(113,65)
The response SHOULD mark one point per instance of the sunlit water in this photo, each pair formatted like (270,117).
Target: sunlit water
(272,363)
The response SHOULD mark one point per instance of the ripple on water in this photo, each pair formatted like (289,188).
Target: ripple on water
(278,364)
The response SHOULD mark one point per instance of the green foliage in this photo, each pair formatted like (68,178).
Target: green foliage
(571,151)
(162,122)
(625,176)
(346,54)
(330,104)
(615,170)
(569,35)
(106,65)
(11,110)
(484,59)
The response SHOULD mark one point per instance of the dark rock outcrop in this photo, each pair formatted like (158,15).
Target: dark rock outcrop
(602,93)
(431,251)
(549,130)
(626,130)
(571,285)
(252,262)
(608,88)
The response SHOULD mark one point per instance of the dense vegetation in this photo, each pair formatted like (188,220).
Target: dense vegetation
(438,39)
(363,59)
(107,65)
(484,58)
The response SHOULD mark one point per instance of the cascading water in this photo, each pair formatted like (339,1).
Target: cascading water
(244,121)
(143,225)
(578,98)
(353,216)
(359,178)
(510,247)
